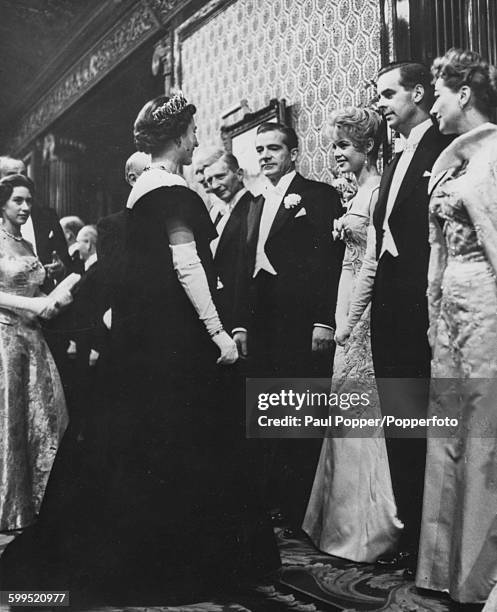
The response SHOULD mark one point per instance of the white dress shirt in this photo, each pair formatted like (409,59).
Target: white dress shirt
(273,197)
(90,261)
(224,219)
(28,233)
(399,173)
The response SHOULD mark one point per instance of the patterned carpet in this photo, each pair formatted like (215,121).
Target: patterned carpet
(311,581)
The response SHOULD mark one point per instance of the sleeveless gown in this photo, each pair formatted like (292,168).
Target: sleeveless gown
(155,505)
(32,405)
(351,511)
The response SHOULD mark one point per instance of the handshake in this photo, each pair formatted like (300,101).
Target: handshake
(50,305)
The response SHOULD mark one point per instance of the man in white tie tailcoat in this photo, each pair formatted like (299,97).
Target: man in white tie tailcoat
(285,314)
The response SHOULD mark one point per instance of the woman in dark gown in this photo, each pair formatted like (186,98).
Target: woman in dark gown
(155,504)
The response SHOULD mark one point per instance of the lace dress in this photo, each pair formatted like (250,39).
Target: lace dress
(458,548)
(32,406)
(351,512)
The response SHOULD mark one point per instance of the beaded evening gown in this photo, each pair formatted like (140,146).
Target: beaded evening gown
(32,405)
(458,547)
(351,511)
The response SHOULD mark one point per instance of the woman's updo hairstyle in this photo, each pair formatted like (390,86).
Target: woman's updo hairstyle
(463,67)
(359,125)
(8,183)
(160,120)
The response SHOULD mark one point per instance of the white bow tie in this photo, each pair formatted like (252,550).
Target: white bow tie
(270,190)
(408,147)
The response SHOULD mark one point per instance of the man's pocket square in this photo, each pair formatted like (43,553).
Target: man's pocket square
(302,212)
(427,173)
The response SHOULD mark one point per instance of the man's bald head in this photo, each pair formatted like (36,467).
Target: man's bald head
(135,165)
(87,241)
(10,165)
(203,158)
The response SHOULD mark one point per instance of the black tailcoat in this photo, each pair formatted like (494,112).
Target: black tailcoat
(399,324)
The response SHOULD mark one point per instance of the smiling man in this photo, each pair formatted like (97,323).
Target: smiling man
(399,314)
(286,312)
(224,178)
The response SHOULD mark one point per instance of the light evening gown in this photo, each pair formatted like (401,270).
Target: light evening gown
(351,511)
(458,548)
(32,405)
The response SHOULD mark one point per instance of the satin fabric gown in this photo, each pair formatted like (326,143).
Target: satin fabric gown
(32,406)
(351,511)
(458,548)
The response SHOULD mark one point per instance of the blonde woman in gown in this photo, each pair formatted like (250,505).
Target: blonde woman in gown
(458,547)
(32,406)
(351,511)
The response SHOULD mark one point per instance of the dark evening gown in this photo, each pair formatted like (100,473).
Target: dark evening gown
(156,503)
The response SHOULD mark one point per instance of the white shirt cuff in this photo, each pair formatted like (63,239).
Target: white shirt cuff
(324,326)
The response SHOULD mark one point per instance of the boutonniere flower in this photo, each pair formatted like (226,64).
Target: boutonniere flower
(50,236)
(292,200)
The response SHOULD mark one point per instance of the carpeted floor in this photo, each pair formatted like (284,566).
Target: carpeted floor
(311,581)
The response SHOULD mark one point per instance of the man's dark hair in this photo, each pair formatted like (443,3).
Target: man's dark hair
(412,74)
(231,161)
(289,135)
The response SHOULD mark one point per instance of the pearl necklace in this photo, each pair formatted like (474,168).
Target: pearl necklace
(16,238)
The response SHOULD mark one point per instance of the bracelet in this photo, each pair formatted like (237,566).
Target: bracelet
(217,332)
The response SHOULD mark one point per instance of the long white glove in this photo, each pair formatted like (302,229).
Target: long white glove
(191,275)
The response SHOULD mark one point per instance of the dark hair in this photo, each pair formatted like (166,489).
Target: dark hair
(460,67)
(289,135)
(412,74)
(360,125)
(231,161)
(8,183)
(152,128)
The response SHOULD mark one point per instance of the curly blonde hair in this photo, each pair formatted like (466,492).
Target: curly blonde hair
(360,125)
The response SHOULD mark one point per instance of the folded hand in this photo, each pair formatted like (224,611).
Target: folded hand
(227,346)
(342,335)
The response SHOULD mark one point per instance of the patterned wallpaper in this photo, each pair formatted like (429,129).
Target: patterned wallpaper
(317,54)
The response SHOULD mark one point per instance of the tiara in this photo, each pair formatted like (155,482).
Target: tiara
(172,107)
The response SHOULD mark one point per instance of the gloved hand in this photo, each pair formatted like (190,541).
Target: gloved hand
(227,346)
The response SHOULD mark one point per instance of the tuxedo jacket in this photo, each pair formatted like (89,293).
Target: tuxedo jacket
(83,318)
(399,307)
(408,218)
(49,237)
(301,249)
(111,245)
(227,255)
(82,321)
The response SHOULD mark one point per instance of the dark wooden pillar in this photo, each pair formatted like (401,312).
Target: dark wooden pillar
(61,163)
